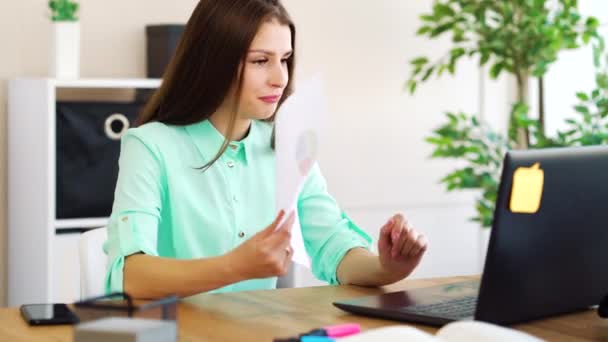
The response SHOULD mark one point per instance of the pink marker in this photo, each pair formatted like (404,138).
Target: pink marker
(342,330)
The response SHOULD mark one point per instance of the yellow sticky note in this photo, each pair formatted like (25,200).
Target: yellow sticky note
(527,190)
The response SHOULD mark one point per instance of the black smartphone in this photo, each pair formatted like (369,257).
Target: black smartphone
(48,314)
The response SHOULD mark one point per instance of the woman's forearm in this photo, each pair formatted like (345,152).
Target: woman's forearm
(149,277)
(361,267)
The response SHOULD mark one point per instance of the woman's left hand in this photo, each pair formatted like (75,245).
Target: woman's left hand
(401,247)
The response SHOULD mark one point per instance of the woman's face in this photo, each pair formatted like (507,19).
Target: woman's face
(265,72)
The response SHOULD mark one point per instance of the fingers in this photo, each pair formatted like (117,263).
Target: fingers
(406,241)
(278,219)
(288,257)
(384,242)
(414,244)
(282,237)
(398,221)
(288,224)
(282,244)
(269,251)
(273,226)
(283,253)
(399,234)
(410,241)
(419,247)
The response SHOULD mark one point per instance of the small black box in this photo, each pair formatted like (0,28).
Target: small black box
(162,42)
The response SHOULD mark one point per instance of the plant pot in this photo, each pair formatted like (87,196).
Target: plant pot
(65,50)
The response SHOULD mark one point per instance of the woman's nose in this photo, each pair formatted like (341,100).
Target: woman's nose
(279,76)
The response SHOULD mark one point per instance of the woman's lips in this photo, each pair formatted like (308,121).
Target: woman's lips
(270,99)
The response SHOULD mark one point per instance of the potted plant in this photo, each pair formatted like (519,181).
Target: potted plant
(522,38)
(65,55)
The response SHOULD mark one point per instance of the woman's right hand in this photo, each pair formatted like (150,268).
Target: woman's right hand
(267,253)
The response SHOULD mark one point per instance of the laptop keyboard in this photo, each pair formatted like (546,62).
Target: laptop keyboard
(455,308)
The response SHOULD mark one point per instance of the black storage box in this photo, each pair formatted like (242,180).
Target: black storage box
(162,42)
(88,147)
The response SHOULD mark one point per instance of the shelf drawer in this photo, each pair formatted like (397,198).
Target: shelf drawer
(87,150)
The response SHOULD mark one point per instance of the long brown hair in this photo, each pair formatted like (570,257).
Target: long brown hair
(215,41)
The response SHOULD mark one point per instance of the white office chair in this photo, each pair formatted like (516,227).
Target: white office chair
(93,262)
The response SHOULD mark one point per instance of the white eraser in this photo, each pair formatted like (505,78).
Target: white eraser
(122,329)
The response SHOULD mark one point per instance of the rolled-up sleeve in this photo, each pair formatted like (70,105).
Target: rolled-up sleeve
(133,225)
(327,231)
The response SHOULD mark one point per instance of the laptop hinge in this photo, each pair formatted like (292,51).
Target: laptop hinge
(602,310)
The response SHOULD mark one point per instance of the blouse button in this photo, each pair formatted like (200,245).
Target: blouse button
(241,234)
(230,164)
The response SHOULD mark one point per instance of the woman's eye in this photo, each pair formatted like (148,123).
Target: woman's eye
(284,60)
(260,61)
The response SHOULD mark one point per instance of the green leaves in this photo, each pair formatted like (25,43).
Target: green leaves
(420,61)
(411,86)
(428,73)
(522,38)
(582,96)
(442,10)
(496,69)
(441,29)
(423,30)
(591,24)
(465,138)
(457,52)
(63,10)
(582,109)
(590,124)
(602,80)
(485,57)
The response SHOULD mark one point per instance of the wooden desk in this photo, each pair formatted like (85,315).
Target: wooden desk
(263,315)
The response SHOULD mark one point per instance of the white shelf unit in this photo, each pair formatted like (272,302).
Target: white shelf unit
(43,250)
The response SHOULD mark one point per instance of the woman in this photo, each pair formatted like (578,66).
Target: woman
(194,202)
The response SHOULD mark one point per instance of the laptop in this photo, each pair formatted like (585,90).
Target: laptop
(547,255)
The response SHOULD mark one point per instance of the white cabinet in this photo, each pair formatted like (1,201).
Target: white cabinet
(42,250)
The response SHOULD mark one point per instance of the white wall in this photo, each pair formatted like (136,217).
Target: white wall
(376,161)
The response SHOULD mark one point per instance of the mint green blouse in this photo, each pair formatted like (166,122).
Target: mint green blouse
(164,206)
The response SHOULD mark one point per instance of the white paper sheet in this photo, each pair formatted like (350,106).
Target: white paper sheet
(298,132)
